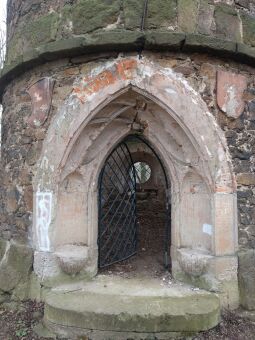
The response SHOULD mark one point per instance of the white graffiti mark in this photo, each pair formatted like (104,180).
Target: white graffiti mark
(43,219)
(207,229)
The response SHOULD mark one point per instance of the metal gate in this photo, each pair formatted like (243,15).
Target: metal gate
(117,238)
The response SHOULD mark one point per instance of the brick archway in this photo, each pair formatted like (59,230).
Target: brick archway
(176,121)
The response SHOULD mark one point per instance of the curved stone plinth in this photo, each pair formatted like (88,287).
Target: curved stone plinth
(72,258)
(114,306)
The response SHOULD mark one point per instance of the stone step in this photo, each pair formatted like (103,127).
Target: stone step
(114,308)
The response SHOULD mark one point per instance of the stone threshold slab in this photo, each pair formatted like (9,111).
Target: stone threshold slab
(112,304)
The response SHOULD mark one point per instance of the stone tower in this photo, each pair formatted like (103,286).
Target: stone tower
(173,81)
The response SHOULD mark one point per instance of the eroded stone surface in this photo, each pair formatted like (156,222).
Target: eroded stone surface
(247,278)
(194,262)
(15,266)
(72,258)
(32,25)
(230,89)
(130,306)
(41,96)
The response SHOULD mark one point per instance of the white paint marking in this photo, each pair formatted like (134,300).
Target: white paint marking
(43,219)
(170,91)
(207,229)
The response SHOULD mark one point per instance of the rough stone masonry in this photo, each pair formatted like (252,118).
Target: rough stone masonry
(60,53)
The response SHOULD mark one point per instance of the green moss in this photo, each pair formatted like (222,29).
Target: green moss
(3,244)
(15,270)
(207,43)
(248,29)
(42,30)
(227,23)
(163,40)
(133,11)
(161,13)
(15,47)
(188,15)
(246,274)
(33,34)
(89,15)
(226,9)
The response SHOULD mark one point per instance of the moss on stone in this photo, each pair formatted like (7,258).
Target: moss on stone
(226,9)
(206,43)
(248,29)
(33,34)
(188,15)
(163,40)
(227,23)
(3,244)
(133,11)
(15,47)
(246,275)
(89,15)
(41,30)
(17,266)
(161,13)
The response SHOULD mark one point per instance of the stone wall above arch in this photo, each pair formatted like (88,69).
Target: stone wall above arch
(38,32)
(170,91)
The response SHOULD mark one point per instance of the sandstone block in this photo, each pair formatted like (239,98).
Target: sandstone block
(15,265)
(193,262)
(246,179)
(89,15)
(72,258)
(230,89)
(248,23)
(247,278)
(187,15)
(161,13)
(227,23)
(12,200)
(206,22)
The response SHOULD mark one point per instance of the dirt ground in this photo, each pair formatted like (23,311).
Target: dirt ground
(149,260)
(17,322)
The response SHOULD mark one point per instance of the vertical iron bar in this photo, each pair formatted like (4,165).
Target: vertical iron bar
(145,11)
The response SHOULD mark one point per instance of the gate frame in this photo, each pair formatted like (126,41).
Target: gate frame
(100,180)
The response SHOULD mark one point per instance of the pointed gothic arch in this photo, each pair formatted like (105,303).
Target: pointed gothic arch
(98,114)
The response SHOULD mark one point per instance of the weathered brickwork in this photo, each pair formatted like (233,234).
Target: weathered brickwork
(226,85)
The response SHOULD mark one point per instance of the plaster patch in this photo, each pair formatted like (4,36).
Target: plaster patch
(207,229)
(43,219)
(170,91)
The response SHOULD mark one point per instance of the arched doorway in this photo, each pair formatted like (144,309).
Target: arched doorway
(134,225)
(123,97)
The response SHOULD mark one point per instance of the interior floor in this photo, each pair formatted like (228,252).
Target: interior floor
(149,260)
(150,205)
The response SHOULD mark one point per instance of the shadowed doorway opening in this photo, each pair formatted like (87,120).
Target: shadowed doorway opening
(134,211)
